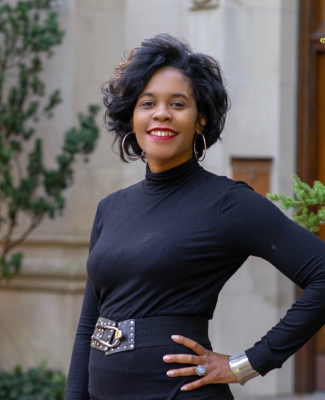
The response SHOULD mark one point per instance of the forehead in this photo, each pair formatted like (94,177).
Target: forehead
(169,79)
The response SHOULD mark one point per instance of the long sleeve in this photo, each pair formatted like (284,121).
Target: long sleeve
(77,385)
(253,225)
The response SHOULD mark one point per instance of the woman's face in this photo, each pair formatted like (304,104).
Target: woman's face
(166,106)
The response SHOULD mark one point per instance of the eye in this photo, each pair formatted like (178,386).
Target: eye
(178,104)
(147,103)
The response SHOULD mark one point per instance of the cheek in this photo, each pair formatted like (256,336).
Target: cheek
(191,122)
(138,119)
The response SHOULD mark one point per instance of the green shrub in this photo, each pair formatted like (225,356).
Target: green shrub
(304,203)
(34,384)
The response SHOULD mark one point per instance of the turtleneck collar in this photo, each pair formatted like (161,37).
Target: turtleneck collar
(155,183)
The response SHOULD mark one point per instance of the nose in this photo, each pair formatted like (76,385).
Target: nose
(162,114)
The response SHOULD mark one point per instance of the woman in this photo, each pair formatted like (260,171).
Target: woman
(162,249)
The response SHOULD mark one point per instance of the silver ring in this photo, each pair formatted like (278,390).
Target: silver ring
(200,370)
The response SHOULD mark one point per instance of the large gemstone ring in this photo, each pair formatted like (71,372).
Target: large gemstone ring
(200,370)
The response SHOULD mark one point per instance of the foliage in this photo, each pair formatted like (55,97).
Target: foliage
(28,32)
(306,200)
(34,384)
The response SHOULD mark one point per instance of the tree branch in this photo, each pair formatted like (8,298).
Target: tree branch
(9,245)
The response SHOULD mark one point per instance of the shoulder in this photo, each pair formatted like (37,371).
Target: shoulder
(242,207)
(119,195)
(223,185)
(237,201)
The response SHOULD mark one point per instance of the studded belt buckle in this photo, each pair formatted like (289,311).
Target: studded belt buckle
(113,337)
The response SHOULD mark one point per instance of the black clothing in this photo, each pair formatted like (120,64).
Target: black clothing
(166,246)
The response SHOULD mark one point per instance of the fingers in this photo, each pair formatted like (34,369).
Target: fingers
(182,372)
(195,384)
(173,373)
(182,359)
(191,344)
(187,359)
(188,372)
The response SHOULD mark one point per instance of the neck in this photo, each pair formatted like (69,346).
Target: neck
(157,165)
(172,178)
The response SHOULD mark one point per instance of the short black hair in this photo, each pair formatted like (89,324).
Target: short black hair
(121,92)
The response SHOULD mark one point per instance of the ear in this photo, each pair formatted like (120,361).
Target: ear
(131,123)
(201,123)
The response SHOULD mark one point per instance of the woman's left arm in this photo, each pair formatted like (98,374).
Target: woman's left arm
(253,225)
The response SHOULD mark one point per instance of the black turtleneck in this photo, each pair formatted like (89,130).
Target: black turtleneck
(166,246)
(157,183)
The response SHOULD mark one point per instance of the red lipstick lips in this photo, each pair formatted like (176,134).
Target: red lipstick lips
(161,129)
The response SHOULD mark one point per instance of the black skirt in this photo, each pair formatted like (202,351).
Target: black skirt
(141,375)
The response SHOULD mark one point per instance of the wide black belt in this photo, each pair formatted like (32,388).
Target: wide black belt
(114,337)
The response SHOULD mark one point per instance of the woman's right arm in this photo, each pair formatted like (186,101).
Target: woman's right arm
(77,385)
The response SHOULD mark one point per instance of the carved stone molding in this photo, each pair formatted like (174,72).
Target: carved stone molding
(47,284)
(204,4)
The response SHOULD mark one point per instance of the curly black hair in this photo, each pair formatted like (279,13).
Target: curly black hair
(121,92)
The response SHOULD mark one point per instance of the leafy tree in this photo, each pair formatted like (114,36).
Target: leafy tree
(28,32)
(304,204)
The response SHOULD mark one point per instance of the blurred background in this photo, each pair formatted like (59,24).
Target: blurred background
(274,66)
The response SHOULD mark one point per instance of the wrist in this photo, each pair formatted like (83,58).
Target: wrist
(241,368)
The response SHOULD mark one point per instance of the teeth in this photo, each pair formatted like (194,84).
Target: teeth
(162,133)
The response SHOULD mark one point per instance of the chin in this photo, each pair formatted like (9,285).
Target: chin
(163,156)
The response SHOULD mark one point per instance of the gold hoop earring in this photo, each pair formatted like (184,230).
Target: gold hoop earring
(124,152)
(205,147)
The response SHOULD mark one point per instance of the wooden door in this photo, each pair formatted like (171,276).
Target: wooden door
(310,360)
(320,130)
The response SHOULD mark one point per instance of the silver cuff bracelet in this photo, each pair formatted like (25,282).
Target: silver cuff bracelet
(242,368)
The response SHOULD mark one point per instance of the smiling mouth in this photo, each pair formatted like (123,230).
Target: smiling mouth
(162,133)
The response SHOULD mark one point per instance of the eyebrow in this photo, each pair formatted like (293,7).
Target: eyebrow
(173,95)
